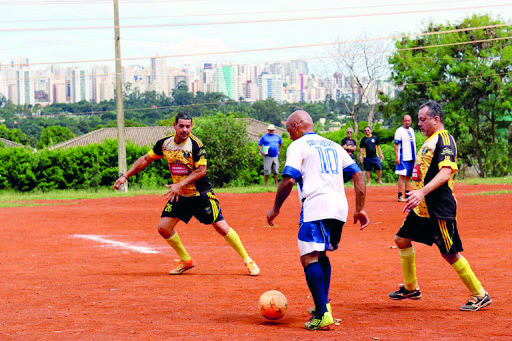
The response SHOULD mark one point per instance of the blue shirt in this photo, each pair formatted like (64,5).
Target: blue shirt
(273,142)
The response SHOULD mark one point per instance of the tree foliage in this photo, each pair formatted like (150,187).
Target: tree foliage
(468,71)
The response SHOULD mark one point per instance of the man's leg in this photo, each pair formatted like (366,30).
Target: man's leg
(408,261)
(275,179)
(379,176)
(166,230)
(234,241)
(316,283)
(408,187)
(479,297)
(400,188)
(367,178)
(266,180)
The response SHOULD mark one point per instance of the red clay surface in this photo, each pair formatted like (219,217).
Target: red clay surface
(57,287)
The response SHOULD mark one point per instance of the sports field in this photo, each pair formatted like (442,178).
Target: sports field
(98,270)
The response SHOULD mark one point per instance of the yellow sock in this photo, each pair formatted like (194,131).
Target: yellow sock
(175,243)
(408,259)
(468,277)
(235,242)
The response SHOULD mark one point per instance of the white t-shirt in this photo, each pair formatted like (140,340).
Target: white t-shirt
(318,166)
(407,142)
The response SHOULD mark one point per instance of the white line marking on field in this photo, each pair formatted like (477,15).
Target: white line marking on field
(114,243)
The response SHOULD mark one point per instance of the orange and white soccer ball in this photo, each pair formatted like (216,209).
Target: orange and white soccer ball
(272,305)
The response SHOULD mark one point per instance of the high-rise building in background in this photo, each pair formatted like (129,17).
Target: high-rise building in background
(227,81)
(282,81)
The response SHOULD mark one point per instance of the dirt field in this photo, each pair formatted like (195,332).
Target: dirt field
(98,270)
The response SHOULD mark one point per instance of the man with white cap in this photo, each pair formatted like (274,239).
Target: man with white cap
(270,147)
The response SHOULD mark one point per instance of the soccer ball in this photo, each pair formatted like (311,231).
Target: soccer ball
(272,305)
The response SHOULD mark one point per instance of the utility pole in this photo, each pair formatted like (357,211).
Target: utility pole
(121,141)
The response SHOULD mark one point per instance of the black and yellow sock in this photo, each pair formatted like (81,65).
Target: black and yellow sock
(176,244)
(468,277)
(408,260)
(234,241)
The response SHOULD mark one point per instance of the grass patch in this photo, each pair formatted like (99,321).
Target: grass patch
(498,192)
(29,204)
(486,181)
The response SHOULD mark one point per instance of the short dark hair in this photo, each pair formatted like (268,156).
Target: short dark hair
(183,116)
(434,109)
(367,127)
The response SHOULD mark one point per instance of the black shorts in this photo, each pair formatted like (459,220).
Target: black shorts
(432,230)
(373,163)
(205,207)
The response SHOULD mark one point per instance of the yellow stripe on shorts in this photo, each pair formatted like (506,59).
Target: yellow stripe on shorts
(448,242)
(215,207)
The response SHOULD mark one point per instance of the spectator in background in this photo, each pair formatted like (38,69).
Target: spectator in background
(405,154)
(349,144)
(270,147)
(369,147)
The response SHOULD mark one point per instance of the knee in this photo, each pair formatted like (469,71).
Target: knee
(165,231)
(402,243)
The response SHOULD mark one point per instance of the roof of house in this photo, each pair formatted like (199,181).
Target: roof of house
(10,143)
(147,136)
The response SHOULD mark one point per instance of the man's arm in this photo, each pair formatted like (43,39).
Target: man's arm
(417,195)
(141,163)
(397,154)
(361,154)
(175,189)
(261,151)
(360,191)
(283,191)
(380,152)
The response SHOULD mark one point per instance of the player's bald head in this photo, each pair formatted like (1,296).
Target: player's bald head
(298,124)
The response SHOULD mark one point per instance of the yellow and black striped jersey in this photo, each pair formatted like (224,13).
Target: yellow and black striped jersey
(438,151)
(182,159)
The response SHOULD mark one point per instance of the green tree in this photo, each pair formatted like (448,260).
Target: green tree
(53,135)
(468,71)
(227,146)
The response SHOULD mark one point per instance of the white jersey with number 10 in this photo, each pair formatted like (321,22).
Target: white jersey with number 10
(319,165)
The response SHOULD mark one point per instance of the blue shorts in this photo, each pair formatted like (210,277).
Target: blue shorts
(372,163)
(319,235)
(404,168)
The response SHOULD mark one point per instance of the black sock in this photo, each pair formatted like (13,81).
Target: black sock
(399,195)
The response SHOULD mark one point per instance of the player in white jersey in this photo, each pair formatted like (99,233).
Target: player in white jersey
(319,167)
(405,154)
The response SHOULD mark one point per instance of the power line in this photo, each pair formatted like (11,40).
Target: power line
(272,48)
(237,22)
(242,13)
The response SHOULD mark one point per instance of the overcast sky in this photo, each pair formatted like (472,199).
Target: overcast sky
(27,27)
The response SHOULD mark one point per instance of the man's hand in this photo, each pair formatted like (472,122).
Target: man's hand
(397,160)
(121,180)
(174,192)
(362,217)
(271,215)
(415,198)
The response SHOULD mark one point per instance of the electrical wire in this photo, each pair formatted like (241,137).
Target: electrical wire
(237,22)
(271,48)
(242,13)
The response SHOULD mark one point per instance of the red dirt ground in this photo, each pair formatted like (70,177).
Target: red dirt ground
(56,287)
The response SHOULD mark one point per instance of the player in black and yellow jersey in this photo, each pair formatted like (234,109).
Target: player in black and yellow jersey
(433,209)
(190,194)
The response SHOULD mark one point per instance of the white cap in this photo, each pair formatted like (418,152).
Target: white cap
(271,127)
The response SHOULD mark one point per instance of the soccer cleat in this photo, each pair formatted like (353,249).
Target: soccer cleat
(403,293)
(253,268)
(311,311)
(402,199)
(183,265)
(322,323)
(474,303)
